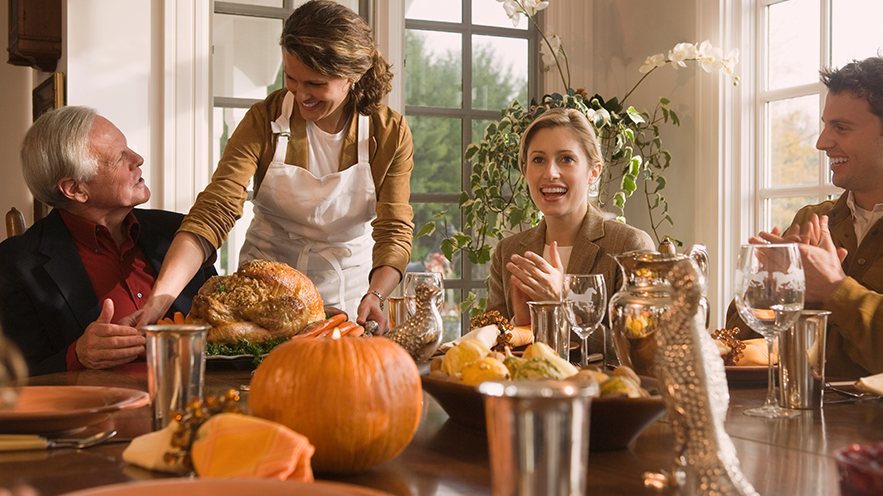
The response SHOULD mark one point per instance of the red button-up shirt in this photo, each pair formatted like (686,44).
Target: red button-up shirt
(122,274)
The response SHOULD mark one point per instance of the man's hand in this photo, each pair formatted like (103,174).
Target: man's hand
(105,345)
(535,279)
(821,259)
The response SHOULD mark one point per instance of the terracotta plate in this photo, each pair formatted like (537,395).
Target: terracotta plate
(229,487)
(615,421)
(51,409)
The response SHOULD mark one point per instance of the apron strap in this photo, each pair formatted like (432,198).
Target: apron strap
(330,253)
(364,139)
(281,129)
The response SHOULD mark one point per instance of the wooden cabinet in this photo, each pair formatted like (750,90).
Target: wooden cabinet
(35,33)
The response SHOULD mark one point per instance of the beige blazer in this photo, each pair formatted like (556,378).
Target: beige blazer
(598,237)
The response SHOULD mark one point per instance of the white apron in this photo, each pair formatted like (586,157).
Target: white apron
(320,226)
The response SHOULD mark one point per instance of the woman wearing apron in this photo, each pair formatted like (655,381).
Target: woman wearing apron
(331,169)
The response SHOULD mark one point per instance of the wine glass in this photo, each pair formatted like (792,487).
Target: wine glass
(770,289)
(412,279)
(13,373)
(586,297)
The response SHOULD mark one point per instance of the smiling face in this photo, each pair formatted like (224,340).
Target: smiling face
(559,173)
(853,140)
(321,99)
(117,184)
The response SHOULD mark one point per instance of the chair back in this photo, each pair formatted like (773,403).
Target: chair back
(15,222)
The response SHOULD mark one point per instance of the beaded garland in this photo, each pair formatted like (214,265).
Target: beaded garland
(188,422)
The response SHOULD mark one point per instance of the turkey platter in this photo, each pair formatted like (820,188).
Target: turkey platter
(259,302)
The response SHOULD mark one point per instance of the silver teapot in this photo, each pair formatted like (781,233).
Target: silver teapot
(635,309)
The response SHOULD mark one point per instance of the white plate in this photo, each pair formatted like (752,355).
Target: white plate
(51,409)
(229,487)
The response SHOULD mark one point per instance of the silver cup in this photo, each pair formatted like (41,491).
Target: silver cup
(549,324)
(538,436)
(802,361)
(175,368)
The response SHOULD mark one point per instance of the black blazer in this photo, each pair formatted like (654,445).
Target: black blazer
(46,297)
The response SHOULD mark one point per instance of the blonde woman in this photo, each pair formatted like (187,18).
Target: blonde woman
(560,158)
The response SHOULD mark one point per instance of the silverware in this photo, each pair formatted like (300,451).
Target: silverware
(21,442)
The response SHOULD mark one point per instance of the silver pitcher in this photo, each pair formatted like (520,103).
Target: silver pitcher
(635,309)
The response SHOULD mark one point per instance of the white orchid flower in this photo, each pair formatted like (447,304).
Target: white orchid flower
(550,51)
(710,57)
(531,7)
(682,52)
(653,62)
(730,61)
(513,10)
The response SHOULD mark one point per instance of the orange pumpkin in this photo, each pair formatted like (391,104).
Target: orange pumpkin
(358,400)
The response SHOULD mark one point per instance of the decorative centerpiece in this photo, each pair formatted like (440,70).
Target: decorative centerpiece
(422,334)
(694,389)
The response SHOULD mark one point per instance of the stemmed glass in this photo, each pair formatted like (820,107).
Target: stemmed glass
(770,289)
(412,279)
(586,297)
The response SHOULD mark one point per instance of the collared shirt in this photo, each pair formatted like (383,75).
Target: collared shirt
(863,219)
(122,274)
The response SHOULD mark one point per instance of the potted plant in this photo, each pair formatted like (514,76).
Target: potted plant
(499,201)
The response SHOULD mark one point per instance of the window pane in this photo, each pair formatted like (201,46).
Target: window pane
(437,147)
(435,10)
(794,129)
(782,210)
(247,59)
(856,30)
(224,122)
(793,49)
(424,253)
(433,69)
(499,72)
(491,13)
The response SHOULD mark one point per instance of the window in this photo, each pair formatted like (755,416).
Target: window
(790,98)
(246,67)
(464,61)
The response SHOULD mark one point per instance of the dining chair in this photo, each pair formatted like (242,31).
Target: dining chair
(15,222)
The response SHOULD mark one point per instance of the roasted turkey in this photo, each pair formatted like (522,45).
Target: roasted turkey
(259,302)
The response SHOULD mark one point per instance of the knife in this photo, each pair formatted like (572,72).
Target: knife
(22,442)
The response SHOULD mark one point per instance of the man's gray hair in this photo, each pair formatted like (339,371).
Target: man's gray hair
(57,146)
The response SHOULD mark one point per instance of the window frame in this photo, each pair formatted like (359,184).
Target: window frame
(823,189)
(466,114)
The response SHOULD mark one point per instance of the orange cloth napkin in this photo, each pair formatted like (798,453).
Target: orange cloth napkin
(234,445)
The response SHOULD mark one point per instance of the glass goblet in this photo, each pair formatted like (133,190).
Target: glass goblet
(586,297)
(770,288)
(412,279)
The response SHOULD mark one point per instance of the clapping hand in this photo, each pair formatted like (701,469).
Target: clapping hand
(534,279)
(822,261)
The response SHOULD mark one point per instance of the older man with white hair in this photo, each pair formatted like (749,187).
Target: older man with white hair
(67,280)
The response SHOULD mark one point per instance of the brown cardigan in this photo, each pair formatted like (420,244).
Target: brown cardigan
(250,150)
(598,237)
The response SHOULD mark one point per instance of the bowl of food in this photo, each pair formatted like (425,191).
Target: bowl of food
(618,416)
(860,469)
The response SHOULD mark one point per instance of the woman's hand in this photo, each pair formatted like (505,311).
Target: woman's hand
(535,279)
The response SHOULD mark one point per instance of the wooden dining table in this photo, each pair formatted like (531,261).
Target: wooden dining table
(779,457)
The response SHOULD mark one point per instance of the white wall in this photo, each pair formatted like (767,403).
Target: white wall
(15,100)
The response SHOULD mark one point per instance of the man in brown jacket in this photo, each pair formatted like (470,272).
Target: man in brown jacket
(841,241)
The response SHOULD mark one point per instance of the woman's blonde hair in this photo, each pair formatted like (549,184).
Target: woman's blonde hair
(335,42)
(567,118)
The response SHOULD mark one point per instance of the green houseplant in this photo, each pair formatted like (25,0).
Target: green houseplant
(499,201)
